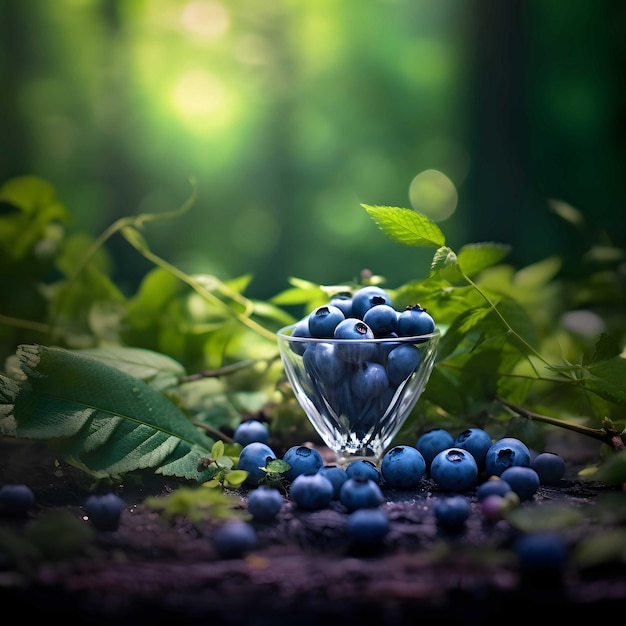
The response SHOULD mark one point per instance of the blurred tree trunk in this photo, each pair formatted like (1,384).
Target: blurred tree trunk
(16,38)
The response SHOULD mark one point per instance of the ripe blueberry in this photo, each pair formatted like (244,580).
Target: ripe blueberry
(252,458)
(476,441)
(414,320)
(249,431)
(524,480)
(323,320)
(504,453)
(264,503)
(452,511)
(104,510)
(454,469)
(358,493)
(234,538)
(366,297)
(16,499)
(311,491)
(402,361)
(432,442)
(549,466)
(302,460)
(403,467)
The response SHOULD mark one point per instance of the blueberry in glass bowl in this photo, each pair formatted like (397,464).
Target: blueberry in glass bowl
(357,389)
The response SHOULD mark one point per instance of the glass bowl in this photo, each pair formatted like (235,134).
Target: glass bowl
(357,393)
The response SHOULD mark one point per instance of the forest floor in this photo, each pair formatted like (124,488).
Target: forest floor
(303,570)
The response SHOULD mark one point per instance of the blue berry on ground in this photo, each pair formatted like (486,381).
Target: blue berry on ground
(476,441)
(432,442)
(368,526)
(494,485)
(104,510)
(234,538)
(549,466)
(337,476)
(454,469)
(250,431)
(362,468)
(252,458)
(524,480)
(403,467)
(451,512)
(358,493)
(302,460)
(264,503)
(311,492)
(16,499)
(504,453)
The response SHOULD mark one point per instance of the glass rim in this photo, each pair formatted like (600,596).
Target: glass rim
(407,339)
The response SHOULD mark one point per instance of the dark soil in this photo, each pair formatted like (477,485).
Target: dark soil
(303,571)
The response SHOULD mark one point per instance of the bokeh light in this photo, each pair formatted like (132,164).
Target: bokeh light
(432,193)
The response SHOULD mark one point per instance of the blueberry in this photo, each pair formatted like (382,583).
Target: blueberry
(358,493)
(549,466)
(494,485)
(414,320)
(249,431)
(337,476)
(323,364)
(524,480)
(504,453)
(403,467)
(453,511)
(234,538)
(476,441)
(366,297)
(357,351)
(323,320)
(252,458)
(362,469)
(542,557)
(264,503)
(104,510)
(311,491)
(368,526)
(432,442)
(369,380)
(344,303)
(302,460)
(402,361)
(382,319)
(16,499)
(300,329)
(454,469)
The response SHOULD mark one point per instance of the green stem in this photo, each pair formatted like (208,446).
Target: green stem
(503,320)
(608,436)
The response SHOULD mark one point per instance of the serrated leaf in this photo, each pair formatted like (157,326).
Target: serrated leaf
(406,226)
(445,265)
(108,421)
(158,370)
(608,380)
(475,257)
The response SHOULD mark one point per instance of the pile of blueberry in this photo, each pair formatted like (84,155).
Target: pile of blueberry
(359,379)
(498,475)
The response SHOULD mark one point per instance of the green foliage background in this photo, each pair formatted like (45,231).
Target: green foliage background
(151,380)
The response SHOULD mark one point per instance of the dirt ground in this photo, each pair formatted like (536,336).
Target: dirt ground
(303,571)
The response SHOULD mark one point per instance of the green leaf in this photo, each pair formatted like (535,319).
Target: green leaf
(613,470)
(547,517)
(99,417)
(473,258)
(156,369)
(406,226)
(445,265)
